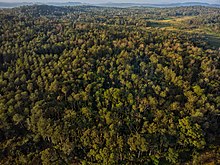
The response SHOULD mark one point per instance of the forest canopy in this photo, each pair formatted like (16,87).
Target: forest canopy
(95,85)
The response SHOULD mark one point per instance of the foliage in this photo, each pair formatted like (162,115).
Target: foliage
(92,85)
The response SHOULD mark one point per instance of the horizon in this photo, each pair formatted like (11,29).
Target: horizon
(113,1)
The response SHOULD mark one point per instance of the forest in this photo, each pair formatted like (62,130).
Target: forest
(110,86)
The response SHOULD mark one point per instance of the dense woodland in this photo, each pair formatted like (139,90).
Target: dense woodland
(94,85)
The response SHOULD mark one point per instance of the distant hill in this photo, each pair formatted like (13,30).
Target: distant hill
(123,5)
(66,4)
(10,5)
(157,5)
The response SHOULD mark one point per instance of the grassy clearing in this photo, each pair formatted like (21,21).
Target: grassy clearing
(213,40)
(174,20)
(177,24)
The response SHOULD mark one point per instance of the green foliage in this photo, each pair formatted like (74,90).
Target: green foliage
(93,85)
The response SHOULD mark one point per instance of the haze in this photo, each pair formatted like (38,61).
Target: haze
(116,1)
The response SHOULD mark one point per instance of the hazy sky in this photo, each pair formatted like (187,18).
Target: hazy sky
(103,1)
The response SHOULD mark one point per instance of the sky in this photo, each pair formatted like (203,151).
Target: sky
(118,1)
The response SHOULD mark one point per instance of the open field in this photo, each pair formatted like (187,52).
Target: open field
(179,24)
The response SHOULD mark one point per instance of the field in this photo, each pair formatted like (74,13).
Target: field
(179,24)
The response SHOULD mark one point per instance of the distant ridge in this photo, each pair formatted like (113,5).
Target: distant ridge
(11,5)
(158,5)
(65,3)
(109,4)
